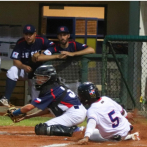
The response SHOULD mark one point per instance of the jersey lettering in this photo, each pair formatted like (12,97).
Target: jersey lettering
(32,53)
(115,121)
(27,55)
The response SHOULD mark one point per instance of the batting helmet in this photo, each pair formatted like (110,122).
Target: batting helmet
(47,71)
(87,91)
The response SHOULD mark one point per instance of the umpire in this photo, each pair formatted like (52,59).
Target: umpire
(22,62)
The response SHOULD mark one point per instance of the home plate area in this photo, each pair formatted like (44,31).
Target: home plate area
(16,136)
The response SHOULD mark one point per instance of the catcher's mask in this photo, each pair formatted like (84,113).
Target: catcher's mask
(44,74)
(88,91)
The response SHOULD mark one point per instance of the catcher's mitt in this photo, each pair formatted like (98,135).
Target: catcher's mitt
(10,114)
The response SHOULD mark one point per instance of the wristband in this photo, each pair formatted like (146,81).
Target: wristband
(17,112)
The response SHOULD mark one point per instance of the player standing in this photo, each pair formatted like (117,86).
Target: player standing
(106,118)
(22,63)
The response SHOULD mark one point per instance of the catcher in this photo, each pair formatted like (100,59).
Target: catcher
(106,119)
(56,98)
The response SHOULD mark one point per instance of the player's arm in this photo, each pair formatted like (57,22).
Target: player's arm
(88,50)
(39,113)
(127,115)
(27,108)
(89,130)
(43,57)
(22,110)
(20,65)
(35,114)
(48,55)
(39,56)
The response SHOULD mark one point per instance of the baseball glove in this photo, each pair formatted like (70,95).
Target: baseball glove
(12,117)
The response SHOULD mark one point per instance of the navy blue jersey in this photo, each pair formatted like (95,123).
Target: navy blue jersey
(23,51)
(72,47)
(69,100)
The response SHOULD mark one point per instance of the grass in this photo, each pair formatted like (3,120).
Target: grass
(6,121)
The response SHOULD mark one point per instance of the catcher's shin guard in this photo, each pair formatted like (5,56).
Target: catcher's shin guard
(60,130)
(56,130)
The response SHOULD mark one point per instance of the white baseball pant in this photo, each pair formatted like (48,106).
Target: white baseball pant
(14,73)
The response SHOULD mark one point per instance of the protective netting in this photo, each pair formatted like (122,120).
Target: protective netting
(69,71)
(126,78)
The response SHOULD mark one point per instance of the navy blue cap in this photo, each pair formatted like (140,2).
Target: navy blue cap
(62,29)
(29,29)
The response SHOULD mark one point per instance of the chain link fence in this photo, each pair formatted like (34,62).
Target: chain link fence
(120,72)
(126,80)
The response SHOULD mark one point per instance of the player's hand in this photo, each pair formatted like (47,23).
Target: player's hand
(27,69)
(67,53)
(23,118)
(83,141)
(62,56)
(130,116)
(35,56)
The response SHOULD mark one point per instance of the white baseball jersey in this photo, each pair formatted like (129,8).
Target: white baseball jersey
(108,117)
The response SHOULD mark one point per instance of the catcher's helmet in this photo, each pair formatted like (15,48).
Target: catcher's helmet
(87,91)
(47,71)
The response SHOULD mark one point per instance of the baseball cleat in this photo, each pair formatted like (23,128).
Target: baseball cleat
(79,129)
(116,138)
(135,136)
(4,101)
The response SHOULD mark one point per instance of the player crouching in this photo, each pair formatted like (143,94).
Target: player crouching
(54,97)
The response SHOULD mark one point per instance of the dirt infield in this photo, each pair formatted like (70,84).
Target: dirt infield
(12,136)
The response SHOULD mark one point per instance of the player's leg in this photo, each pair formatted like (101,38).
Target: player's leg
(56,130)
(72,117)
(96,136)
(65,124)
(134,136)
(12,77)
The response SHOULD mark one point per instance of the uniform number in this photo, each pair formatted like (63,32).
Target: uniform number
(71,93)
(115,121)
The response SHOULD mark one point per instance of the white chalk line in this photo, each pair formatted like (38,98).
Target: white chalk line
(56,145)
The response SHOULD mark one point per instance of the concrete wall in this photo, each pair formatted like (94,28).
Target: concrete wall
(143,18)
(28,12)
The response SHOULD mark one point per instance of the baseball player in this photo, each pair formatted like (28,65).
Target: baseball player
(56,98)
(106,119)
(22,63)
(65,47)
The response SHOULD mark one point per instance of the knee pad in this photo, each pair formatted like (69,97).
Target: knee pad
(41,129)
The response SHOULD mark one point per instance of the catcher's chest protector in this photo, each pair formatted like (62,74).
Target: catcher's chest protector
(54,105)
